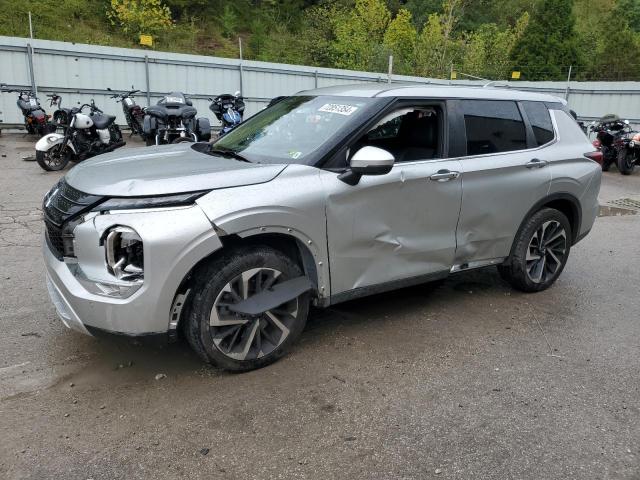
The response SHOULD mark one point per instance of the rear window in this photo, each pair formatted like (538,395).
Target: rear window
(540,121)
(493,127)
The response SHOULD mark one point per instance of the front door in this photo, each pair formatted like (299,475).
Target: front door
(398,226)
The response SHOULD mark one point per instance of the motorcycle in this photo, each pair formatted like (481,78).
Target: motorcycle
(36,120)
(229,110)
(133,113)
(618,143)
(86,135)
(173,120)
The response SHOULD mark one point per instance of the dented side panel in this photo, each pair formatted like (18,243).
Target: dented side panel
(498,191)
(291,204)
(391,227)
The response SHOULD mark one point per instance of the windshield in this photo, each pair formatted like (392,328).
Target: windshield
(296,129)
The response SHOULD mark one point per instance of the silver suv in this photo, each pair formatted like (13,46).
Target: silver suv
(326,196)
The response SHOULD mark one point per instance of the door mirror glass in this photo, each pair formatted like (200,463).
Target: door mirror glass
(372,161)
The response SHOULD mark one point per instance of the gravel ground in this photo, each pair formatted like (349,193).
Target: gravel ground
(465,379)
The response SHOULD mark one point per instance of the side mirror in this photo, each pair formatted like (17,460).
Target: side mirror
(367,161)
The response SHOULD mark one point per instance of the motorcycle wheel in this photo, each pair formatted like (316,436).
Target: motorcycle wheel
(626,162)
(606,160)
(150,140)
(182,140)
(54,159)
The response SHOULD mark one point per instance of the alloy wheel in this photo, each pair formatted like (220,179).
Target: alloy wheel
(247,337)
(546,251)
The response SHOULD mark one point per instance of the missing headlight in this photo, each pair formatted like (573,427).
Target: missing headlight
(124,253)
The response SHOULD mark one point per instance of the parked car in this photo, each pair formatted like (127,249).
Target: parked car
(326,196)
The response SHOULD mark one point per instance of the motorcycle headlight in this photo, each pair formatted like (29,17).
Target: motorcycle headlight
(124,254)
(131,203)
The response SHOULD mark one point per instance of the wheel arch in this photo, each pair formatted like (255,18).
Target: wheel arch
(565,203)
(286,243)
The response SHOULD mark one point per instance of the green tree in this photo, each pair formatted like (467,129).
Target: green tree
(140,16)
(549,43)
(437,48)
(400,40)
(487,52)
(359,35)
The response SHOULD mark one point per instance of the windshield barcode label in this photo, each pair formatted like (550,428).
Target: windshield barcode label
(337,108)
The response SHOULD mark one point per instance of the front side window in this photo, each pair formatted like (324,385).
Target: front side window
(410,134)
(296,129)
(493,127)
(540,121)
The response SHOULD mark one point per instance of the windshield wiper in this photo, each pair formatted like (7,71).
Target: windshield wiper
(228,153)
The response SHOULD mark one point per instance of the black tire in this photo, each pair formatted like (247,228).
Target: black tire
(520,269)
(207,291)
(606,159)
(626,161)
(52,161)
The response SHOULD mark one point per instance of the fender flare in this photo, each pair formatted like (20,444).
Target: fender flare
(48,141)
(565,196)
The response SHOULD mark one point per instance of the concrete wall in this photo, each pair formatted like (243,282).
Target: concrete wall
(81,72)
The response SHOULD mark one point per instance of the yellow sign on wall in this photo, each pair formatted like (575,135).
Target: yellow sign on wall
(515,75)
(454,75)
(146,40)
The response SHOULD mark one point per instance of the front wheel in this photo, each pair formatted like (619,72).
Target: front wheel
(241,342)
(54,159)
(626,161)
(540,252)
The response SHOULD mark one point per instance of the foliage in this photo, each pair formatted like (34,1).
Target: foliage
(549,44)
(400,40)
(140,16)
(487,53)
(486,38)
(358,36)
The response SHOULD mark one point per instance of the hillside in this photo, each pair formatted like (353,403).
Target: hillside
(486,38)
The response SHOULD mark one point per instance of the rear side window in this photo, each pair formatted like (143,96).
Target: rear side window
(493,127)
(540,121)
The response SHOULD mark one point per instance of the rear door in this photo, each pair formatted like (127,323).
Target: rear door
(504,174)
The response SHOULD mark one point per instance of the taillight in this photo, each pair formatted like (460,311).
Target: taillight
(595,156)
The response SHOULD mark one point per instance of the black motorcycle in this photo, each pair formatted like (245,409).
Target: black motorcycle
(85,135)
(173,120)
(133,113)
(617,142)
(229,110)
(36,120)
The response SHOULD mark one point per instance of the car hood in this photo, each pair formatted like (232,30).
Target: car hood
(164,170)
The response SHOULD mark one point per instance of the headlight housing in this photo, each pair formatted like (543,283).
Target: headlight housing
(130,203)
(124,254)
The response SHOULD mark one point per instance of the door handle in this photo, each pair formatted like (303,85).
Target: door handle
(536,163)
(444,175)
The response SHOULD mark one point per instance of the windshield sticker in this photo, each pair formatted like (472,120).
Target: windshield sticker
(295,155)
(337,108)
(174,100)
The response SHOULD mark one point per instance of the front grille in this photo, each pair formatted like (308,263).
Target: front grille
(61,206)
(54,236)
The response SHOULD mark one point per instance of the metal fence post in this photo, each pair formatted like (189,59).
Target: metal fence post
(315,75)
(32,75)
(146,74)
(566,92)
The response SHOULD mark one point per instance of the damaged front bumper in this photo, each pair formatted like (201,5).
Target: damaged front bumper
(87,296)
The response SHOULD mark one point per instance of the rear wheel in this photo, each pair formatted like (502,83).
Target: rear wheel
(540,252)
(240,342)
(606,159)
(626,161)
(54,159)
